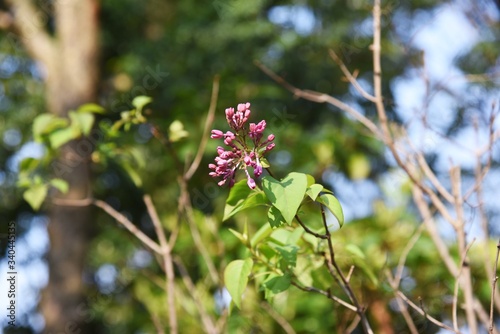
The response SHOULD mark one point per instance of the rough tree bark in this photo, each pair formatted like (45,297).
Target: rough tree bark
(69,60)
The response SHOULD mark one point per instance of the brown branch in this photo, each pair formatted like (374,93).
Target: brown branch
(464,271)
(321,98)
(455,292)
(345,283)
(32,32)
(208,124)
(326,294)
(493,287)
(350,77)
(422,312)
(129,226)
(394,283)
(278,317)
(205,318)
(167,263)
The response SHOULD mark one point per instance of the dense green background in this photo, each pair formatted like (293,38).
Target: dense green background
(193,42)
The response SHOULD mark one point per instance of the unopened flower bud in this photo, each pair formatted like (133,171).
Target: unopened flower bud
(216,134)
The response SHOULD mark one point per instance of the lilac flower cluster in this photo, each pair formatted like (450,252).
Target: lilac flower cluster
(240,155)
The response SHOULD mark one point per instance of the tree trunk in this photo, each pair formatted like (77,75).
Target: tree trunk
(70,62)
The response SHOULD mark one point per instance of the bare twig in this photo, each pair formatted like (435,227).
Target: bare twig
(464,273)
(394,282)
(167,262)
(208,124)
(278,317)
(422,312)
(326,294)
(455,290)
(321,98)
(493,288)
(345,283)
(129,226)
(207,321)
(350,77)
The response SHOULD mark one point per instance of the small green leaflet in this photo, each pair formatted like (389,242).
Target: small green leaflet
(333,204)
(241,197)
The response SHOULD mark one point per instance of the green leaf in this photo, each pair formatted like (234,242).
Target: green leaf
(82,121)
(333,204)
(241,197)
(134,176)
(242,237)
(60,137)
(355,250)
(28,164)
(275,217)
(91,108)
(236,278)
(60,184)
(286,195)
(140,101)
(276,284)
(314,190)
(261,234)
(176,131)
(46,123)
(36,195)
(289,255)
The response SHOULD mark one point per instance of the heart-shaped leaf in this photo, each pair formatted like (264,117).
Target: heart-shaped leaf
(286,195)
(236,278)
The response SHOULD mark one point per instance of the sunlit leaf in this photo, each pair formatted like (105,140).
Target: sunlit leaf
(60,184)
(333,204)
(91,108)
(236,278)
(275,218)
(140,101)
(36,195)
(60,137)
(83,121)
(286,195)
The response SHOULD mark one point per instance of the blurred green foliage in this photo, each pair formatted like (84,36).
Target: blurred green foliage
(171,50)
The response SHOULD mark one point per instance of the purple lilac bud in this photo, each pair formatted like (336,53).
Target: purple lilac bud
(240,154)
(270,147)
(217,134)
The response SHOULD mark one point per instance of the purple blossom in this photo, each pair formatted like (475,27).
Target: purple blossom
(239,154)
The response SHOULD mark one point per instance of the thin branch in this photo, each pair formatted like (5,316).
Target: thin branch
(493,287)
(404,254)
(321,98)
(455,290)
(422,312)
(208,124)
(464,273)
(326,294)
(394,283)
(345,283)
(428,220)
(129,226)
(350,77)
(208,324)
(278,317)
(167,262)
